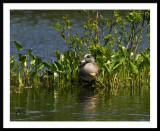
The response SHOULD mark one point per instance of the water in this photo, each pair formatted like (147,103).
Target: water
(31,27)
(77,103)
(73,103)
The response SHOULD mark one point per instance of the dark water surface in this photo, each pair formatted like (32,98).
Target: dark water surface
(80,104)
(73,103)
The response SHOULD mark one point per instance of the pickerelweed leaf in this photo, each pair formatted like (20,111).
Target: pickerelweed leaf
(32,62)
(33,74)
(100,62)
(12,64)
(38,61)
(17,68)
(107,69)
(137,56)
(117,58)
(46,64)
(33,57)
(133,68)
(22,59)
(56,67)
(30,51)
(99,53)
(59,67)
(40,67)
(19,55)
(123,50)
(117,65)
(146,60)
(58,55)
(18,45)
(61,72)
(11,58)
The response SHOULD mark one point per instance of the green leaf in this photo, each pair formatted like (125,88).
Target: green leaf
(33,57)
(137,56)
(30,54)
(117,65)
(12,64)
(22,59)
(57,26)
(107,69)
(99,53)
(133,68)
(100,62)
(117,58)
(54,67)
(58,66)
(32,62)
(19,55)
(46,64)
(11,58)
(40,67)
(30,51)
(17,68)
(33,74)
(62,34)
(18,45)
(146,60)
(38,61)
(61,72)
(58,55)
(123,50)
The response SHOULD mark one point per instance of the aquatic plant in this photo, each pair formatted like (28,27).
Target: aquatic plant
(114,47)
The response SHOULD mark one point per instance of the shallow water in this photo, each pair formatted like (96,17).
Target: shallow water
(80,104)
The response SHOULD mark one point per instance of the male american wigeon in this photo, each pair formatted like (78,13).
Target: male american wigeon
(88,66)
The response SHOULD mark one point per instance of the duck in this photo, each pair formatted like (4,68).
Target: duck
(87,67)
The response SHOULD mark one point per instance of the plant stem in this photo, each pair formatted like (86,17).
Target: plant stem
(47,48)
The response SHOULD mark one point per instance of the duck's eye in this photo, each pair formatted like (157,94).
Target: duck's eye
(88,56)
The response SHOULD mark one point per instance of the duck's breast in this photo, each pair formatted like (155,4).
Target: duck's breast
(90,68)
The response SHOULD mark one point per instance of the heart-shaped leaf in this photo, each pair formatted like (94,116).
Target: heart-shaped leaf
(133,68)
(38,61)
(18,45)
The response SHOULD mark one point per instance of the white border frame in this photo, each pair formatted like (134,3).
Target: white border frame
(51,6)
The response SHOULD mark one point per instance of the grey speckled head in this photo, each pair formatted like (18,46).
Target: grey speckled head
(89,58)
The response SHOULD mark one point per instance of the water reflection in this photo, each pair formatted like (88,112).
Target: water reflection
(90,99)
(80,104)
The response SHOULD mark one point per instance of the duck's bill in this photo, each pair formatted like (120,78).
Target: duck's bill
(83,61)
(93,74)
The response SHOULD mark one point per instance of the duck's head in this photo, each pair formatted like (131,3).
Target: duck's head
(88,58)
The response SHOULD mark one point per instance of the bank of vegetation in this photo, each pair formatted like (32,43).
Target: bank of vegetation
(114,42)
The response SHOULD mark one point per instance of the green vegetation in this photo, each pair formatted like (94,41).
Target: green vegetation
(113,42)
